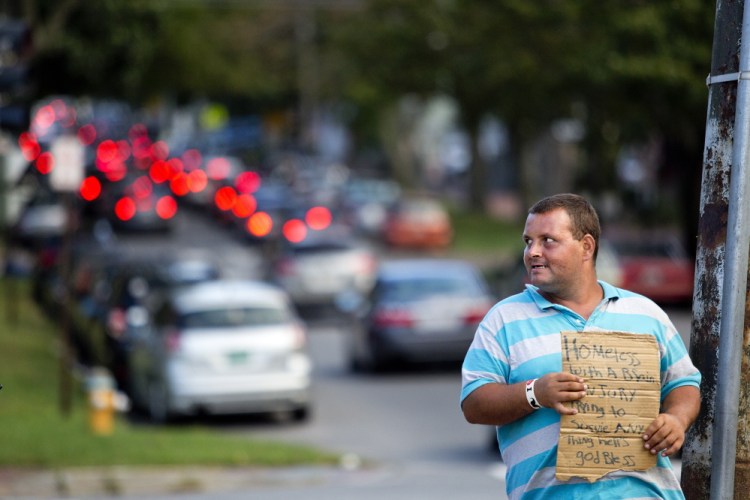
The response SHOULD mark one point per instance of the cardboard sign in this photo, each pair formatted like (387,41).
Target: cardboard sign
(622,374)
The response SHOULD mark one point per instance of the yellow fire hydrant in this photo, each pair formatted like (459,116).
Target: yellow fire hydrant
(102,401)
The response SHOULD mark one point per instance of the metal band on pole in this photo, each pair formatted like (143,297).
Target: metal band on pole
(729,77)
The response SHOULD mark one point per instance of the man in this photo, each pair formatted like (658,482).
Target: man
(519,342)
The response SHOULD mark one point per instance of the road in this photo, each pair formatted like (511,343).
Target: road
(407,425)
(401,434)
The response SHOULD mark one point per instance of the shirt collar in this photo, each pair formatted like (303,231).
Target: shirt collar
(610,293)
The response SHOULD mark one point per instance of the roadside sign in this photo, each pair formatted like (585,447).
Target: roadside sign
(68,169)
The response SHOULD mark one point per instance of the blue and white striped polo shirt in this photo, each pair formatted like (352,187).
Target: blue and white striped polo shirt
(519,339)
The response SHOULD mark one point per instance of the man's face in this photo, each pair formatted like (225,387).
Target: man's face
(553,258)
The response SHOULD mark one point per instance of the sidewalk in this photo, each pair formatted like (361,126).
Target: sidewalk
(139,481)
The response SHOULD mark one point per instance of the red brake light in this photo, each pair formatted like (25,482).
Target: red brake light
(259,224)
(318,218)
(90,188)
(87,134)
(172,340)
(29,145)
(166,207)
(116,322)
(247,182)
(125,208)
(476,314)
(294,230)
(393,317)
(45,162)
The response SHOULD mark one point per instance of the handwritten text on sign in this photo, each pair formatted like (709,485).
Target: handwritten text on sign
(622,374)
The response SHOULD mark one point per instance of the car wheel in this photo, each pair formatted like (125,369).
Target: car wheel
(355,365)
(301,414)
(366,363)
(158,406)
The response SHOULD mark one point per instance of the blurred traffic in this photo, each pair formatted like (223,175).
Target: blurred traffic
(326,237)
(180,333)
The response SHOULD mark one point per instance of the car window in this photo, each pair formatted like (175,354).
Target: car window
(648,249)
(234,317)
(320,248)
(415,289)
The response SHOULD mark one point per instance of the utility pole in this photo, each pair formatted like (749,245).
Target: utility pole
(710,269)
(305,27)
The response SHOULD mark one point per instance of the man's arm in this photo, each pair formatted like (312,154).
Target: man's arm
(666,434)
(499,404)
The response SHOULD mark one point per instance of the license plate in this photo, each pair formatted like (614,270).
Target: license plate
(238,357)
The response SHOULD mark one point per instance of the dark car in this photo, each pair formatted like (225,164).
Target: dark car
(109,286)
(420,310)
(41,221)
(136,204)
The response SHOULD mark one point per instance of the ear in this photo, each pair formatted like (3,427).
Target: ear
(589,245)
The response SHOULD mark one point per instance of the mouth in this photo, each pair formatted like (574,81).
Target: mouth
(535,267)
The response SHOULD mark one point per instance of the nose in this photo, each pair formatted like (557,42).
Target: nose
(533,249)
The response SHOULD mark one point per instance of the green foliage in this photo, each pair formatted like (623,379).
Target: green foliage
(638,64)
(35,433)
(479,233)
(628,71)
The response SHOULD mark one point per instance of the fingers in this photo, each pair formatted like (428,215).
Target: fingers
(554,389)
(665,435)
(564,410)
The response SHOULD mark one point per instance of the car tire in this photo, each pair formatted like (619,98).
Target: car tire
(301,414)
(369,363)
(357,366)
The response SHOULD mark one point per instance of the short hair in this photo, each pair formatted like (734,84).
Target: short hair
(583,217)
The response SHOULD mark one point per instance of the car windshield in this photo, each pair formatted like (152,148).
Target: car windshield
(416,289)
(235,317)
(320,248)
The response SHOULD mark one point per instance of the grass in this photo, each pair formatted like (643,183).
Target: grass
(35,433)
(478,232)
(494,245)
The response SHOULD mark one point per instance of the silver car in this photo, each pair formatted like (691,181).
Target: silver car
(221,347)
(317,270)
(420,310)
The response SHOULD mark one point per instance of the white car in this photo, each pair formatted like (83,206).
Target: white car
(323,266)
(221,347)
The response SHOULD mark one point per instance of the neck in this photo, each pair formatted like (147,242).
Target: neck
(582,300)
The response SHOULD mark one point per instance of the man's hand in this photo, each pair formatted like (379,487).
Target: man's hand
(666,434)
(554,389)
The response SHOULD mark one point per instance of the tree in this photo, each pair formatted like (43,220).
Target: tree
(628,70)
(139,50)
